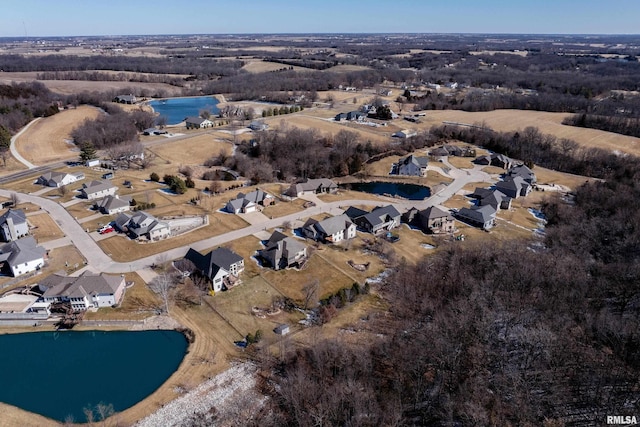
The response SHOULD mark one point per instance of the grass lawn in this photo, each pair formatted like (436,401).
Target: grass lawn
(81,210)
(44,228)
(291,282)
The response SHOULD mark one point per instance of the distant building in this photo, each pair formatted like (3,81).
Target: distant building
(312,186)
(98,189)
(405,134)
(258,126)
(198,123)
(125,99)
(59,179)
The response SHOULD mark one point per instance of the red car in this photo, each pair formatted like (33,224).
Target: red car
(106,230)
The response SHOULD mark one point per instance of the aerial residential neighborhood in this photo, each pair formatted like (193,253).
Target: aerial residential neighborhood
(318,229)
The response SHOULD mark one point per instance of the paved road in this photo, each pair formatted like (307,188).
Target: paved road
(14,151)
(99,261)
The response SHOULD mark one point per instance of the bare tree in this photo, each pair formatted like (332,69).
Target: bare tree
(15,199)
(311,293)
(62,190)
(162,285)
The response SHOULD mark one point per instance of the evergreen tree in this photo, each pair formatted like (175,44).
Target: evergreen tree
(87,151)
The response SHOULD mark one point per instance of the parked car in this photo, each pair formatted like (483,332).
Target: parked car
(107,230)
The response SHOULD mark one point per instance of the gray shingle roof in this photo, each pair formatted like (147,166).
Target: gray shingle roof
(17,216)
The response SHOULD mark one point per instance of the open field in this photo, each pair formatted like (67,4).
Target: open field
(551,123)
(328,126)
(259,66)
(70,87)
(48,140)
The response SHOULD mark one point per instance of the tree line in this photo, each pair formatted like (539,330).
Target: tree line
(490,333)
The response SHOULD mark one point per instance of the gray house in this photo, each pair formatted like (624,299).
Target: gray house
(13,225)
(143,225)
(312,186)
(222,266)
(197,123)
(22,256)
(478,216)
(97,189)
(59,179)
(411,165)
(114,204)
(514,186)
(381,219)
(493,197)
(524,172)
(333,230)
(282,251)
(431,220)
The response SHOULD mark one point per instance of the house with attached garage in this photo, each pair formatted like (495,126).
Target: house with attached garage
(332,230)
(433,220)
(114,204)
(524,172)
(84,292)
(59,179)
(282,251)
(411,165)
(125,99)
(380,220)
(249,202)
(22,256)
(222,266)
(197,123)
(142,225)
(514,186)
(493,197)
(13,225)
(478,216)
(98,189)
(312,186)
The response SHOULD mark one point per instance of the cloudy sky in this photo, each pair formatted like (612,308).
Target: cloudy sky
(121,17)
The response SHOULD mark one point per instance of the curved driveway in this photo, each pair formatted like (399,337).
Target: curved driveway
(14,151)
(99,261)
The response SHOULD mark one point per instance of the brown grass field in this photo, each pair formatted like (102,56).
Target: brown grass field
(46,141)
(551,123)
(44,228)
(259,66)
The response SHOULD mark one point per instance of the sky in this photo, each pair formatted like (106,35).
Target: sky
(41,18)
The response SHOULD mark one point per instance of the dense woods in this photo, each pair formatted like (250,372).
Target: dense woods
(521,333)
(21,102)
(112,129)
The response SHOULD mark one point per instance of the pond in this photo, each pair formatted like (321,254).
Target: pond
(406,191)
(177,109)
(59,374)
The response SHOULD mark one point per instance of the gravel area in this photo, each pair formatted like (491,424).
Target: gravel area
(223,400)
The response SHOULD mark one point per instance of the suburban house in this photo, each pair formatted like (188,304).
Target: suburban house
(405,133)
(446,150)
(258,126)
(493,197)
(282,251)
(478,216)
(98,189)
(524,172)
(411,165)
(249,202)
(197,123)
(312,186)
(333,230)
(114,204)
(59,179)
(514,186)
(84,292)
(494,159)
(13,225)
(222,266)
(125,99)
(142,225)
(22,256)
(381,219)
(281,329)
(432,220)
(351,116)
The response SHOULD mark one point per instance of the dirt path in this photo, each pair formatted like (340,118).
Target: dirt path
(46,140)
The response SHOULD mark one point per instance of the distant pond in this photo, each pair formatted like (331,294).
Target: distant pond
(177,109)
(58,374)
(407,191)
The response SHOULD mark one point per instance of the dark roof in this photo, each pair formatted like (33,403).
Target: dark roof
(194,120)
(434,212)
(353,212)
(17,216)
(209,264)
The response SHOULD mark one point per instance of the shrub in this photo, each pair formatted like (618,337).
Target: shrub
(189,183)
(154,177)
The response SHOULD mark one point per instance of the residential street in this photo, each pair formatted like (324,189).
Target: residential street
(99,261)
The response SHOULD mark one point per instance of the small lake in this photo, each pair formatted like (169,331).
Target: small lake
(58,374)
(407,191)
(177,109)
